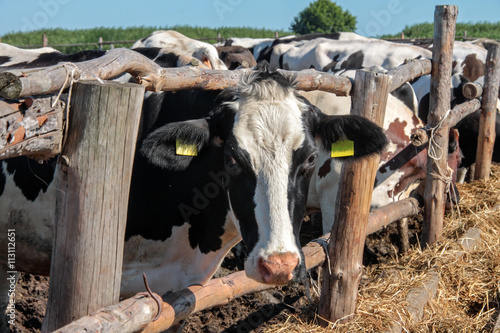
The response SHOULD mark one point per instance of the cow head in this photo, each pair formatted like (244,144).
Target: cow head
(269,139)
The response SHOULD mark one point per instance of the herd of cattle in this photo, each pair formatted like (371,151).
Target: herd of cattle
(263,156)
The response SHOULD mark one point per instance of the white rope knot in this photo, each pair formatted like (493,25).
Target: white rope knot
(73,74)
(432,152)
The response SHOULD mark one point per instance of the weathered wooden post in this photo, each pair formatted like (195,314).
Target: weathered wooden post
(435,182)
(45,40)
(487,134)
(339,290)
(91,209)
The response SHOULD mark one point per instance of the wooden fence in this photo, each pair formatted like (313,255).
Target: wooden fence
(101,43)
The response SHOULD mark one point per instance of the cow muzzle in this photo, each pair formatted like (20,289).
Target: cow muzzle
(278,268)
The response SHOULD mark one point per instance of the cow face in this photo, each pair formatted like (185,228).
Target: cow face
(269,139)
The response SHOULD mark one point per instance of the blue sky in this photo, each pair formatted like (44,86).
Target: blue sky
(375,17)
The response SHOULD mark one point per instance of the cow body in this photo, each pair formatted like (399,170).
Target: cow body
(269,51)
(256,151)
(24,59)
(176,42)
(335,55)
(11,55)
(234,56)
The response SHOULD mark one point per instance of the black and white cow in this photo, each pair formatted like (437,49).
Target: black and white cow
(334,55)
(236,56)
(14,57)
(467,127)
(11,55)
(280,45)
(256,147)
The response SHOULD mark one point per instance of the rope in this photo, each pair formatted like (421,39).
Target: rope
(432,152)
(73,74)
(324,245)
(435,152)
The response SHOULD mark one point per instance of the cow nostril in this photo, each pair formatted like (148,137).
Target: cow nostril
(264,271)
(278,268)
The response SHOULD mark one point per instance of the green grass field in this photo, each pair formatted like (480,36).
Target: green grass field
(64,36)
(426,30)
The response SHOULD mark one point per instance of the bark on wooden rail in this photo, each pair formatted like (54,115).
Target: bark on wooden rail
(136,313)
(420,136)
(408,72)
(48,80)
(31,128)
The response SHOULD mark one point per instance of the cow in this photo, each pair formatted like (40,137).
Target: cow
(11,55)
(467,127)
(174,41)
(24,59)
(235,56)
(469,60)
(402,166)
(255,147)
(254,45)
(279,45)
(344,56)
(335,55)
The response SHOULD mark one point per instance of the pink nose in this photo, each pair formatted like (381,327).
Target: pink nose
(278,267)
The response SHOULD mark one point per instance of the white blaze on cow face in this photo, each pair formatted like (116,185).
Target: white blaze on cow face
(268,126)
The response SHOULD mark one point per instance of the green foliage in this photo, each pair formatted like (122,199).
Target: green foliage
(323,16)
(128,35)
(477,30)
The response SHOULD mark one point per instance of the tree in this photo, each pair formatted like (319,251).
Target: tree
(323,16)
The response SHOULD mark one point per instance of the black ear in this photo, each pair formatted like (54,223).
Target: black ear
(368,137)
(159,147)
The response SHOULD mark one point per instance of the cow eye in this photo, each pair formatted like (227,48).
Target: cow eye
(312,159)
(309,164)
(232,166)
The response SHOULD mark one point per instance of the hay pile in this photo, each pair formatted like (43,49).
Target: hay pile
(468,298)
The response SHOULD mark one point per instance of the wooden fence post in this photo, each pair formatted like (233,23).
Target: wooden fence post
(45,40)
(487,134)
(339,290)
(100,43)
(442,58)
(91,206)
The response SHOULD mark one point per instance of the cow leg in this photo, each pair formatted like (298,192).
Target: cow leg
(461,173)
(472,170)
(7,291)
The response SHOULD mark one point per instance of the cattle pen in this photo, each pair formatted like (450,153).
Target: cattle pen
(369,92)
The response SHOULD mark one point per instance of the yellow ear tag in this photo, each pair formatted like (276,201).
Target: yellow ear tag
(185,149)
(343,148)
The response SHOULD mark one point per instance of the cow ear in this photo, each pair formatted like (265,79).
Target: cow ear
(173,146)
(367,137)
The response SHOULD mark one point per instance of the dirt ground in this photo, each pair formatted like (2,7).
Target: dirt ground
(251,313)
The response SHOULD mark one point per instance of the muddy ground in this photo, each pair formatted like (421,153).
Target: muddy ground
(249,313)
